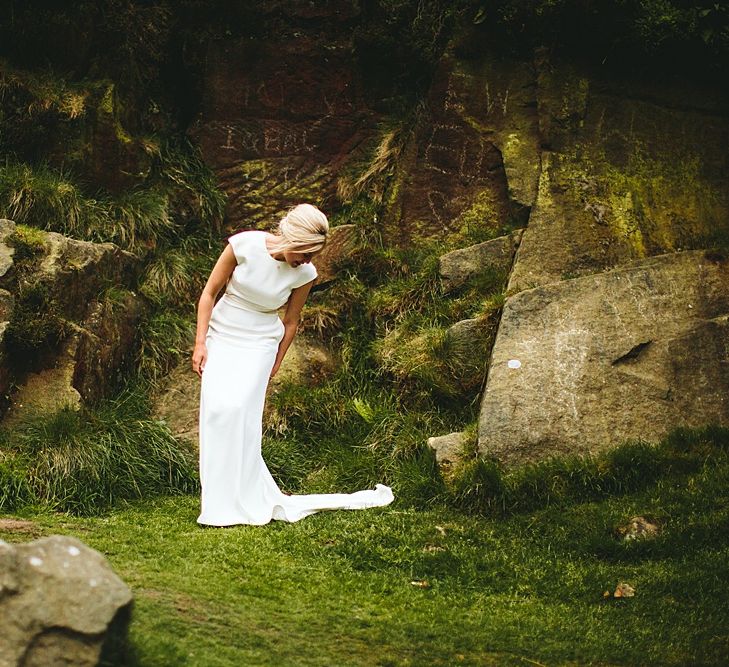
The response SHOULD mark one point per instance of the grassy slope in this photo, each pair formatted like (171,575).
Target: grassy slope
(336,588)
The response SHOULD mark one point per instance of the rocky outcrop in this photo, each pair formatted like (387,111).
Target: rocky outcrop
(458,266)
(584,359)
(584,364)
(60,604)
(628,170)
(69,326)
(178,399)
(448,449)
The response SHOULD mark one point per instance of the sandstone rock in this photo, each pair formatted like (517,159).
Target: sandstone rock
(622,177)
(586,364)
(106,345)
(100,334)
(60,603)
(7,227)
(178,400)
(456,267)
(340,244)
(473,161)
(306,362)
(76,271)
(277,128)
(448,448)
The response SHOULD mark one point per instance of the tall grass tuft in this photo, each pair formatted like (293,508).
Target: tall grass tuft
(181,165)
(44,197)
(84,461)
(164,339)
(181,188)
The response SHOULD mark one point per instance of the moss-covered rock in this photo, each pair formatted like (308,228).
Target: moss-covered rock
(623,176)
(63,339)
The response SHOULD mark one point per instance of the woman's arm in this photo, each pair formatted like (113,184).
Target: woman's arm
(218,277)
(291,322)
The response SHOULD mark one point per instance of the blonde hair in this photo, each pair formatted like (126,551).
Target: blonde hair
(303,229)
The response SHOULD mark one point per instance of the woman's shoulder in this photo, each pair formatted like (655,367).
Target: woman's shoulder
(246,234)
(305,273)
(242,241)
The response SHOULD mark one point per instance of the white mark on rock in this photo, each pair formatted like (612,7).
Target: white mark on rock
(514,363)
(93,583)
(35,561)
(74,551)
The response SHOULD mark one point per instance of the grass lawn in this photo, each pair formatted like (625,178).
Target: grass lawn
(337,588)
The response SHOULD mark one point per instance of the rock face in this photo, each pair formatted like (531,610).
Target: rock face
(341,243)
(628,171)
(55,284)
(473,160)
(60,604)
(284,114)
(584,364)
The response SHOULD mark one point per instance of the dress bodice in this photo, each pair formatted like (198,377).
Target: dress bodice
(260,282)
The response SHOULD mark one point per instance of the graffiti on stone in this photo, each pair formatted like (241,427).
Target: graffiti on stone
(265,139)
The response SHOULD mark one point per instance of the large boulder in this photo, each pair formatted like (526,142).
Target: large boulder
(586,364)
(60,604)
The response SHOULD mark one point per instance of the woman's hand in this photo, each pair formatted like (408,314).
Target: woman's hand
(275,368)
(199,357)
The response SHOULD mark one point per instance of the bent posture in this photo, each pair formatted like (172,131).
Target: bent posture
(240,344)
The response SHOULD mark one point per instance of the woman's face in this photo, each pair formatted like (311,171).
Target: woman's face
(296,258)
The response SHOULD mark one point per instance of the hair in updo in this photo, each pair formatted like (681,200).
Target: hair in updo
(303,229)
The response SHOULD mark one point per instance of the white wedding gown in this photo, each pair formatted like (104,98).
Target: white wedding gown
(242,342)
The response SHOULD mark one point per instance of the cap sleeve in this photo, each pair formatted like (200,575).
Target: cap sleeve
(239,243)
(307,273)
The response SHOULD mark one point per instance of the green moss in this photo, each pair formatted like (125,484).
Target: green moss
(106,103)
(651,204)
(481,221)
(28,243)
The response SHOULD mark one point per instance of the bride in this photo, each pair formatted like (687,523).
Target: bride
(240,343)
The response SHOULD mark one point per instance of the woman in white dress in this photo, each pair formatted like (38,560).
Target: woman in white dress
(240,344)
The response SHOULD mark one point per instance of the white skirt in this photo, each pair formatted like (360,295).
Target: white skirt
(237,487)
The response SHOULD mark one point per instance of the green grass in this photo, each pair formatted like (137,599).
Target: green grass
(335,589)
(83,461)
(180,190)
